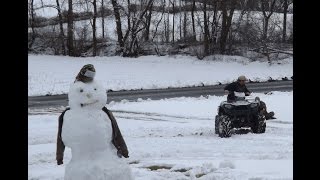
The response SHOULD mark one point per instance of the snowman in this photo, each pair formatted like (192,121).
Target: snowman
(92,133)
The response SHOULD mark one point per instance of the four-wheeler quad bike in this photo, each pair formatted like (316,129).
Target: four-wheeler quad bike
(241,113)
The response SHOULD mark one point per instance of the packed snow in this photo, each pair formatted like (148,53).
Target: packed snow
(53,74)
(174,139)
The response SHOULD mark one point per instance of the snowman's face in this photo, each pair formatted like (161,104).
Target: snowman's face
(87,95)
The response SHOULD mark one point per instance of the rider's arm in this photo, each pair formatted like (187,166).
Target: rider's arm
(230,88)
(247,92)
(227,89)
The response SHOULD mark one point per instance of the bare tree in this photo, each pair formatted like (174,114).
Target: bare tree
(32,23)
(148,22)
(94,27)
(267,8)
(102,17)
(235,33)
(214,25)
(173,14)
(136,28)
(70,30)
(252,5)
(142,24)
(284,30)
(180,19)
(184,22)
(158,23)
(286,4)
(116,11)
(136,24)
(47,36)
(192,18)
(206,28)
(166,27)
(130,9)
(226,5)
(61,35)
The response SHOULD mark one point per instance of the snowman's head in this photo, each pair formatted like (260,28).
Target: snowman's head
(87,95)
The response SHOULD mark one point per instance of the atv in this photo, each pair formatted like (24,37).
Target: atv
(241,113)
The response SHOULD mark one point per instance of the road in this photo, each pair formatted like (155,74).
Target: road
(155,94)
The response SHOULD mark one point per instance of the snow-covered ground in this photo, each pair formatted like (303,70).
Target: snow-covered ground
(178,134)
(53,74)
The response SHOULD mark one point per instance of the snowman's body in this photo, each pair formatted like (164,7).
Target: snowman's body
(87,131)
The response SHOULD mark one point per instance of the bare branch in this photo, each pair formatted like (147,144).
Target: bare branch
(45,6)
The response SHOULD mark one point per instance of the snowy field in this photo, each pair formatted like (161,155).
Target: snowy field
(53,74)
(177,136)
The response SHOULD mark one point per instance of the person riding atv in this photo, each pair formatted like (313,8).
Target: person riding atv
(240,86)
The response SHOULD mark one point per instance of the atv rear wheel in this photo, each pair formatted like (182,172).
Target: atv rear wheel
(216,125)
(224,127)
(260,125)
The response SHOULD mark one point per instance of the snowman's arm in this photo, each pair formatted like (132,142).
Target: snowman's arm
(117,138)
(60,144)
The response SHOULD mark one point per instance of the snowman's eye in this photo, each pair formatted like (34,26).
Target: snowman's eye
(95,89)
(81,90)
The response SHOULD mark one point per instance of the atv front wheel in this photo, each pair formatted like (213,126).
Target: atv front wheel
(259,126)
(224,127)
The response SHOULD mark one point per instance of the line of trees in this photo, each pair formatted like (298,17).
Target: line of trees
(207,26)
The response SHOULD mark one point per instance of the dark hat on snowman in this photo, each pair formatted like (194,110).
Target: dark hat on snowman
(86,73)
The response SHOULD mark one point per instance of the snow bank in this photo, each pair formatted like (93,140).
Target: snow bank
(53,74)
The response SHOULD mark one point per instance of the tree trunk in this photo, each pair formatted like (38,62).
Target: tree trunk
(206,28)
(61,35)
(118,23)
(226,23)
(223,37)
(128,21)
(32,24)
(265,7)
(94,38)
(284,31)
(214,24)
(180,20)
(157,25)
(267,11)
(265,28)
(102,17)
(149,15)
(168,28)
(192,17)
(166,39)
(70,30)
(173,20)
(184,24)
